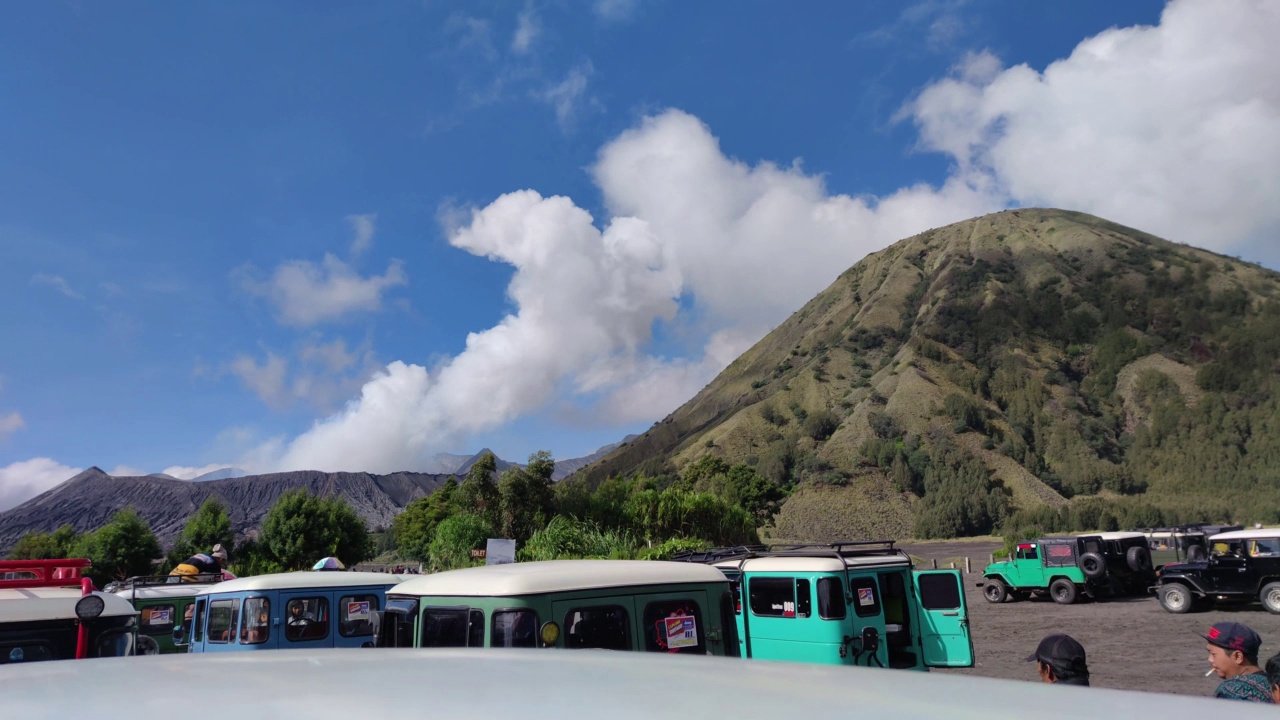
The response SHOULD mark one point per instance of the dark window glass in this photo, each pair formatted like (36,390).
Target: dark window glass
(397,623)
(444,627)
(514,628)
(158,619)
(257,621)
(306,619)
(830,599)
(729,621)
(607,627)
(475,628)
(222,620)
(866,596)
(197,620)
(116,643)
(355,615)
(772,597)
(804,599)
(737,596)
(939,592)
(25,652)
(674,626)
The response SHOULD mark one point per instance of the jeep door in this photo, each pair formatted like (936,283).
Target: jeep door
(944,619)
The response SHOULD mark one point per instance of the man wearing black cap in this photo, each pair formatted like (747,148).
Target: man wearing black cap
(1233,654)
(1060,660)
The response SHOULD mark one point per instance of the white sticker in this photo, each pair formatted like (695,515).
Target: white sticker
(682,632)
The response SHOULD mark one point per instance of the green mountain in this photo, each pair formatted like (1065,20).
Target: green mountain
(1029,367)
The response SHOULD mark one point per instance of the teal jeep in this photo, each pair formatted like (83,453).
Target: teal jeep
(1095,565)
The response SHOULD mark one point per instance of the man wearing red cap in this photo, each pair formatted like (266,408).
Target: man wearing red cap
(1233,654)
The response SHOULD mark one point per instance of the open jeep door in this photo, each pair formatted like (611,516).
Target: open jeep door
(944,619)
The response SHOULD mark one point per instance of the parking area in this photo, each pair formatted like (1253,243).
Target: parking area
(1131,644)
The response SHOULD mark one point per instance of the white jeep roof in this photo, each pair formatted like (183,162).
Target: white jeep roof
(53,603)
(302,579)
(532,578)
(344,683)
(812,564)
(155,592)
(1246,534)
(1114,535)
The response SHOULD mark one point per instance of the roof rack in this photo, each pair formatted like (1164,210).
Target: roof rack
(841,550)
(145,581)
(63,572)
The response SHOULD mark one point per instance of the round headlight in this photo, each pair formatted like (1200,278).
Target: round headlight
(550,633)
(90,607)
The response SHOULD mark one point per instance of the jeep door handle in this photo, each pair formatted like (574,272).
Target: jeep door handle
(951,614)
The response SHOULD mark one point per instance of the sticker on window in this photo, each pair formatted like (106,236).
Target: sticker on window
(866,596)
(358,610)
(160,617)
(681,632)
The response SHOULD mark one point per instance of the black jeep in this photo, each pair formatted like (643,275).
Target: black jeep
(1116,563)
(1242,566)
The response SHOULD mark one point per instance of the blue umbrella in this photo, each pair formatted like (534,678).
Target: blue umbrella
(329,563)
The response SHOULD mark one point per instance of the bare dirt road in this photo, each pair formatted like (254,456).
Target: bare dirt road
(1131,644)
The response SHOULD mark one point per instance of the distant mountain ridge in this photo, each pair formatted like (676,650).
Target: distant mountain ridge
(88,500)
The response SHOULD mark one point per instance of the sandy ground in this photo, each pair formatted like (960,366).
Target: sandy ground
(1131,644)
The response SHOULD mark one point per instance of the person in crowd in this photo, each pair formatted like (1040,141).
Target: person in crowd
(1273,677)
(1061,660)
(1233,656)
(201,564)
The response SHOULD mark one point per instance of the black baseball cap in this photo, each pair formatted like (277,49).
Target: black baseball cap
(1234,636)
(1060,650)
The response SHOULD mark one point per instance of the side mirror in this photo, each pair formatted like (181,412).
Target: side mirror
(179,635)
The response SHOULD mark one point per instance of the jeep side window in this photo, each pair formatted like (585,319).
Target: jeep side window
(1027,552)
(772,596)
(1264,547)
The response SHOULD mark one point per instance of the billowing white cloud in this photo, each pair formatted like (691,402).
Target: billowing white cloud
(527,30)
(23,480)
(1174,128)
(9,424)
(57,282)
(306,294)
(363,227)
(1171,129)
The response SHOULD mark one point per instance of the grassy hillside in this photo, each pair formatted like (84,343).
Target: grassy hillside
(1026,367)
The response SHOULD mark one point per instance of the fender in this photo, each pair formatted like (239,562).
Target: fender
(1182,580)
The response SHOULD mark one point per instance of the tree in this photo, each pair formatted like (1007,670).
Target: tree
(302,528)
(209,526)
(45,546)
(122,548)
(415,527)
(454,540)
(526,497)
(477,493)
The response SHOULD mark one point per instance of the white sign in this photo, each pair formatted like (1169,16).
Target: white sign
(499,551)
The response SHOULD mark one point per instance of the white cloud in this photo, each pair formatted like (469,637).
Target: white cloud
(21,481)
(1174,128)
(568,95)
(10,424)
(940,23)
(266,380)
(615,10)
(57,282)
(473,34)
(324,376)
(363,227)
(1170,129)
(305,293)
(188,473)
(126,471)
(527,30)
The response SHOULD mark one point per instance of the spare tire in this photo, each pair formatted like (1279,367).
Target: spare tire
(1139,559)
(1196,553)
(147,645)
(1093,565)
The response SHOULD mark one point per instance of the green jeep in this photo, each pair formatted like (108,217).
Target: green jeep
(1097,565)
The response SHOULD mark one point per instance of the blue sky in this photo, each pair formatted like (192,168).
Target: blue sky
(347,236)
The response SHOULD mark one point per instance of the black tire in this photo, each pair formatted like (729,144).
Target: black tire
(1197,553)
(995,592)
(1176,598)
(1063,591)
(1139,559)
(1270,597)
(1093,566)
(147,645)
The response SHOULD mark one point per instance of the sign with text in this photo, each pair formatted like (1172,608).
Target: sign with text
(499,551)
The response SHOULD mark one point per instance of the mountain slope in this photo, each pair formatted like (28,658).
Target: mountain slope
(990,370)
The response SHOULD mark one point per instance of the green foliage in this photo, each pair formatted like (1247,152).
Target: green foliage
(568,538)
(122,548)
(772,416)
(415,527)
(526,498)
(209,526)
(45,546)
(960,496)
(478,494)
(302,528)
(821,424)
(676,513)
(883,425)
(668,548)
(965,414)
(454,540)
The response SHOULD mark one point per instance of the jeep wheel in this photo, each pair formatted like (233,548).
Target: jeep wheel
(1139,559)
(995,591)
(1271,597)
(1093,565)
(1176,598)
(1063,591)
